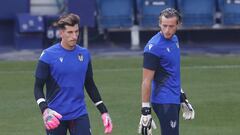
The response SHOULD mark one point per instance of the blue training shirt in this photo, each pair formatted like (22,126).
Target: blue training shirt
(65,80)
(166,84)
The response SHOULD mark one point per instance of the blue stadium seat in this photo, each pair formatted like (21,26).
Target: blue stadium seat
(6,33)
(115,13)
(197,12)
(230,10)
(149,11)
(85,9)
(51,33)
(29,31)
(9,8)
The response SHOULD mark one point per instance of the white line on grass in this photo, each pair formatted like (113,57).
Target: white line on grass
(17,72)
(133,69)
(212,67)
(183,67)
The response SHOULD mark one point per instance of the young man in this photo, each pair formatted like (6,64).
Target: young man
(66,69)
(161,79)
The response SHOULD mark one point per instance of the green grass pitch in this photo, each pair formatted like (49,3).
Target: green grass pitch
(212,84)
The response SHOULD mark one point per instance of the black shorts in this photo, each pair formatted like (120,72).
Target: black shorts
(168,115)
(79,126)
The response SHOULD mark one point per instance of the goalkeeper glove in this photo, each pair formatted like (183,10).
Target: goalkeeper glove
(51,118)
(107,122)
(187,109)
(146,122)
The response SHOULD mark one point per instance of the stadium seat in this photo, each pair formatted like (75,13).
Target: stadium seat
(9,9)
(115,13)
(197,12)
(149,10)
(29,31)
(51,33)
(85,9)
(230,10)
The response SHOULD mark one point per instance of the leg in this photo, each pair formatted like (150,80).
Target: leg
(60,130)
(80,126)
(168,115)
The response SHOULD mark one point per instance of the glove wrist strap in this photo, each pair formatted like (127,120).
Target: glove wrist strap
(102,108)
(146,110)
(146,104)
(183,97)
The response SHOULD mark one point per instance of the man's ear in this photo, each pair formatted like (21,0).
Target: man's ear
(179,24)
(60,33)
(159,25)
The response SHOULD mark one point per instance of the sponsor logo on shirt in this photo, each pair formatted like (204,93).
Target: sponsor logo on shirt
(168,49)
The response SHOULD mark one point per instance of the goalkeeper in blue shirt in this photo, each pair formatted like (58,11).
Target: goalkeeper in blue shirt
(65,68)
(161,83)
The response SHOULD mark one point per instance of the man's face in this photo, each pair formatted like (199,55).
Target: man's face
(168,26)
(69,35)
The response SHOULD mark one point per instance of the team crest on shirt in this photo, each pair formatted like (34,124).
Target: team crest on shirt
(61,59)
(80,57)
(173,124)
(150,46)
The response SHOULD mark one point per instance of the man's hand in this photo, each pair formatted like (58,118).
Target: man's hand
(188,111)
(51,118)
(107,122)
(146,122)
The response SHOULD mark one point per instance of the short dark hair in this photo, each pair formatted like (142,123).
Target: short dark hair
(170,12)
(67,19)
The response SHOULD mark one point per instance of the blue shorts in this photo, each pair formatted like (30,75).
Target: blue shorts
(168,115)
(79,126)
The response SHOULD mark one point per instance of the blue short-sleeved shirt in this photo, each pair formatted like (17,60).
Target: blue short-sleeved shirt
(166,84)
(65,80)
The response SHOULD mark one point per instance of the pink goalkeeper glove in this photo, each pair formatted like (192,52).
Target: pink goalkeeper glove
(51,118)
(107,122)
